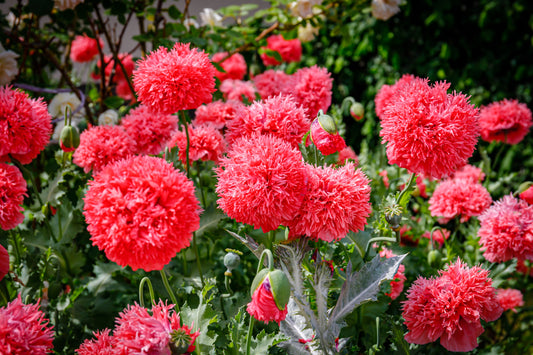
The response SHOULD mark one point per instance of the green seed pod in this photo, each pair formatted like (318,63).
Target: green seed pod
(231,261)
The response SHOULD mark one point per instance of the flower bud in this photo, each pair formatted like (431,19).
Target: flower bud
(270,295)
(434,258)
(69,139)
(325,136)
(525,191)
(357,111)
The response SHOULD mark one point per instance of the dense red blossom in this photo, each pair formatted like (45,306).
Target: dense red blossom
(428,131)
(24,329)
(4,262)
(396,285)
(470,172)
(386,93)
(527,195)
(238,90)
(451,307)
(510,298)
(235,66)
(179,79)
(263,307)
(12,192)
(289,50)
(217,113)
(151,130)
(101,145)
(272,83)
(84,48)
(25,126)
(141,211)
(279,116)
(261,182)
(139,331)
(336,202)
(312,89)
(102,345)
(439,236)
(505,121)
(506,230)
(205,143)
(459,198)
(327,143)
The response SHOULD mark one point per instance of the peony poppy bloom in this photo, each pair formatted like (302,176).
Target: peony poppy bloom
(84,48)
(205,143)
(459,198)
(102,345)
(110,67)
(289,50)
(101,145)
(451,307)
(151,130)
(347,154)
(12,192)
(386,93)
(24,329)
(159,331)
(270,294)
(510,298)
(4,262)
(336,202)
(261,182)
(25,126)
(179,79)
(141,211)
(505,121)
(235,66)
(506,230)
(428,131)
(238,90)
(312,89)
(272,83)
(279,116)
(470,172)
(217,113)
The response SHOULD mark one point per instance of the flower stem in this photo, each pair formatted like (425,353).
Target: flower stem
(145,280)
(198,263)
(169,289)
(377,239)
(407,187)
(249,335)
(183,120)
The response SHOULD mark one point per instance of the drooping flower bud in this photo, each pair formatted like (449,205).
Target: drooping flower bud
(357,111)
(270,295)
(434,258)
(325,135)
(69,139)
(525,191)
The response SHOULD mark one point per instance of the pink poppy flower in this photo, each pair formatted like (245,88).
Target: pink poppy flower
(312,89)
(102,345)
(505,121)
(101,145)
(510,298)
(217,113)
(151,130)
(12,192)
(205,143)
(4,262)
(25,125)
(428,131)
(263,306)
(386,93)
(141,211)
(24,329)
(470,172)
(179,79)
(261,182)
(238,90)
(326,142)
(451,307)
(235,66)
(527,195)
(84,48)
(272,83)
(459,198)
(110,67)
(347,154)
(289,50)
(506,230)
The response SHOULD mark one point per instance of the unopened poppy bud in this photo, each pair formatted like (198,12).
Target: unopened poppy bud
(434,258)
(525,191)
(69,139)
(270,295)
(357,111)
(325,136)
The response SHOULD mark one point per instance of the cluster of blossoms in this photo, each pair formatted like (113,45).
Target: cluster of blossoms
(143,331)
(451,307)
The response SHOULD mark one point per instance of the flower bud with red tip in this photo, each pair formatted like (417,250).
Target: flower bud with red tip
(270,295)
(357,111)
(69,139)
(325,135)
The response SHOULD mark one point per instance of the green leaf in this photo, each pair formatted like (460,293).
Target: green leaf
(174,13)
(271,53)
(114,102)
(104,278)
(265,341)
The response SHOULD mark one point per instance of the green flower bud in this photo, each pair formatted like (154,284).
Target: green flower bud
(434,258)
(69,139)
(357,111)
(180,341)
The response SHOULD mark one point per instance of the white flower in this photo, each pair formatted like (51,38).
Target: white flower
(8,66)
(61,101)
(385,9)
(67,4)
(190,22)
(307,33)
(211,18)
(303,8)
(109,118)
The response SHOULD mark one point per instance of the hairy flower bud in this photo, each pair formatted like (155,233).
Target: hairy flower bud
(69,139)
(357,111)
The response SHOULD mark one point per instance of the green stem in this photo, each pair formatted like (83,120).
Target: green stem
(146,280)
(183,120)
(198,262)
(377,239)
(227,284)
(249,335)
(268,253)
(169,289)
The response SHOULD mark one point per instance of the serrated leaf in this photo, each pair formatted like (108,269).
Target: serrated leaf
(199,319)
(104,277)
(360,287)
(263,342)
(237,333)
